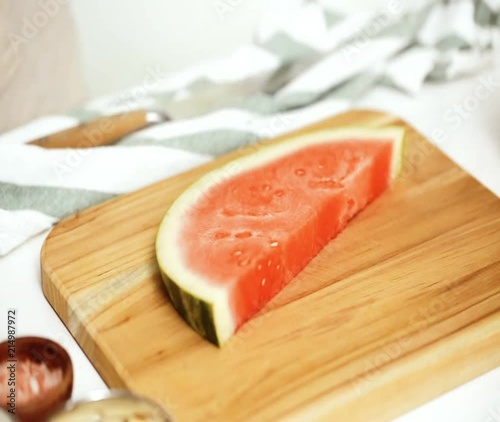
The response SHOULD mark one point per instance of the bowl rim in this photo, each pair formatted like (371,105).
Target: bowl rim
(44,341)
(118,393)
(63,362)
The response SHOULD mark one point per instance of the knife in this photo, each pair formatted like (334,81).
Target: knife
(106,130)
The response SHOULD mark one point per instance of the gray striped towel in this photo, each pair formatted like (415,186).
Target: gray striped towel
(400,46)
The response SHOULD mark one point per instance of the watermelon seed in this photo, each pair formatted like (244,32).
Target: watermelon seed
(266,187)
(237,253)
(279,192)
(273,244)
(259,267)
(243,262)
(278,266)
(243,235)
(269,263)
(300,172)
(263,281)
(221,235)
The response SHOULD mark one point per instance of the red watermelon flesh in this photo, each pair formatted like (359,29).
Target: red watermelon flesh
(250,228)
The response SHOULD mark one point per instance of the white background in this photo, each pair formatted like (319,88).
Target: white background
(475,145)
(120,40)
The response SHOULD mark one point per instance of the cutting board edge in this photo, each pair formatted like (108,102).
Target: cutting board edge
(54,290)
(114,380)
(379,408)
(85,339)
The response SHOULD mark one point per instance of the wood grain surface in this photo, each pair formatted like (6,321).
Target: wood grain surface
(401,307)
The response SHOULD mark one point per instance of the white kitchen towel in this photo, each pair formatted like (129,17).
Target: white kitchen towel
(400,45)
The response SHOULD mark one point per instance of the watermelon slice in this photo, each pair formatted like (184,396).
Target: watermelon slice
(237,236)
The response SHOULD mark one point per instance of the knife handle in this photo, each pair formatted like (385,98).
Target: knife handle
(104,130)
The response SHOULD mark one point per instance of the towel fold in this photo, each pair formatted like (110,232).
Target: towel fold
(399,46)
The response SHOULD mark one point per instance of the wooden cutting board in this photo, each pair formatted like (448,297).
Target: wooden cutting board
(401,307)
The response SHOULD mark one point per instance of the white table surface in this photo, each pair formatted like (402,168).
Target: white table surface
(474,143)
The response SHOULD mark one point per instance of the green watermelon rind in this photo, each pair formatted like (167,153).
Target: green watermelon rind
(195,311)
(203,305)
